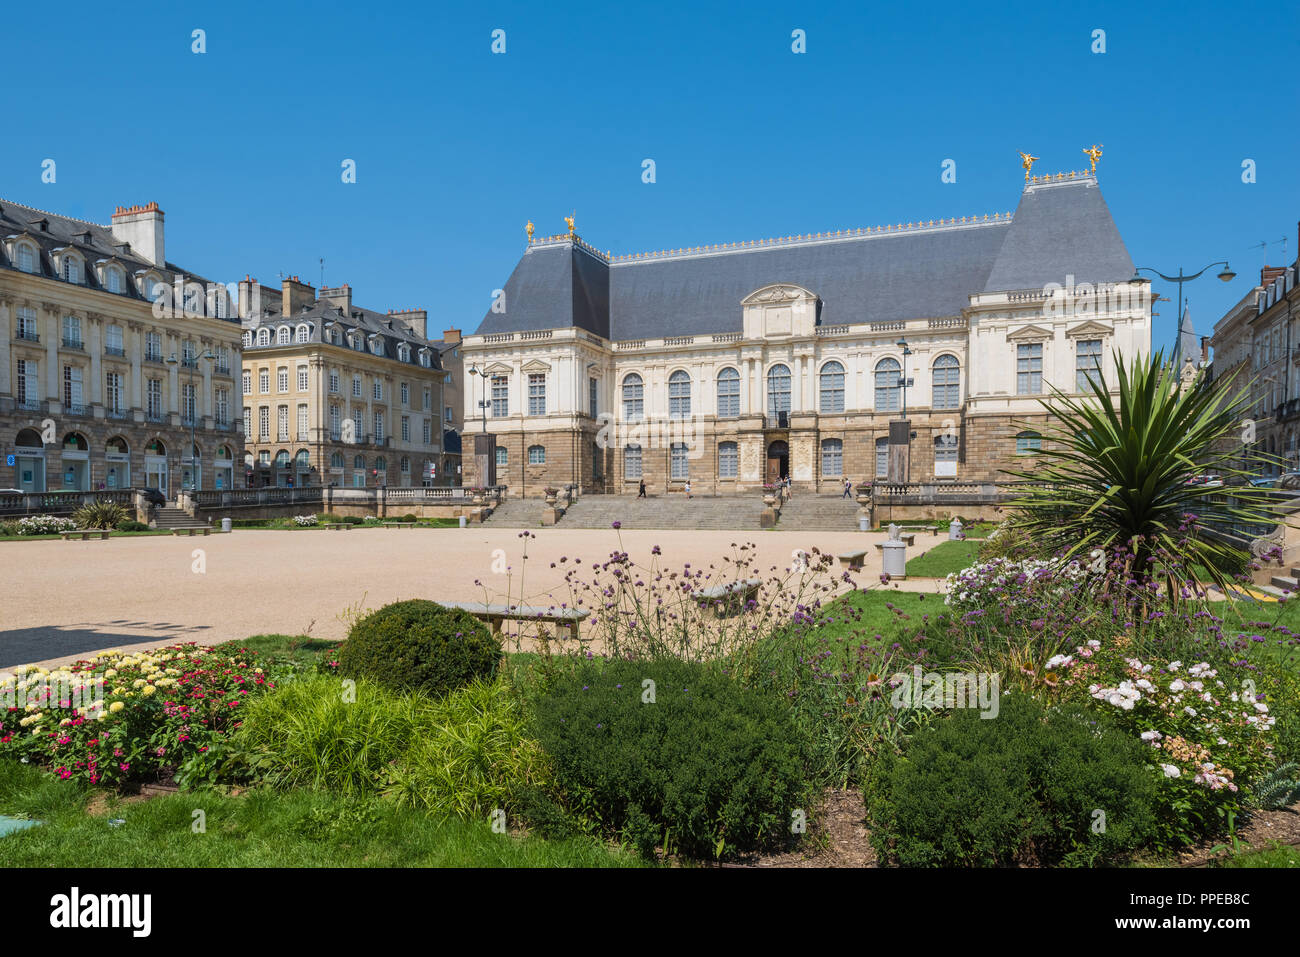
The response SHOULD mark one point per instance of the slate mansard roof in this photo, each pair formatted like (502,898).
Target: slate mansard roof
(1060,229)
(95,242)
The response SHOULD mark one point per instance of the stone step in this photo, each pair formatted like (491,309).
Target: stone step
(1277,592)
(1282,581)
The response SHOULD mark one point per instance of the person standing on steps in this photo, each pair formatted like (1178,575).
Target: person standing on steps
(848,489)
(688,488)
(641,490)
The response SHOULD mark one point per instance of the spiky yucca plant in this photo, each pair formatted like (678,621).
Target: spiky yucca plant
(100,515)
(1114,470)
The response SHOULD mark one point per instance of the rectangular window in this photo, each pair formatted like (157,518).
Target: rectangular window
(536,394)
(27,325)
(447,413)
(282,379)
(72,332)
(882,458)
(945,456)
(153,399)
(153,346)
(334,381)
(406,395)
(632,462)
(728,394)
(678,463)
(536,455)
(187,355)
(335,423)
(113,341)
(248,383)
(1029,369)
(428,400)
(379,426)
(427,432)
(223,406)
(73,397)
(500,395)
(282,423)
(248,421)
(303,430)
(728,460)
(832,457)
(189,405)
(264,381)
(1087,364)
(27,380)
(264,423)
(593,387)
(406,428)
(113,392)
(356,385)
(377,390)
(303,379)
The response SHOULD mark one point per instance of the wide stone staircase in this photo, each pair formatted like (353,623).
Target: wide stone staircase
(166,517)
(517,513)
(819,512)
(675,511)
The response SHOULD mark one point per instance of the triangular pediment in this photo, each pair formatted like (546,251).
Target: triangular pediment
(1029,334)
(1091,328)
(536,365)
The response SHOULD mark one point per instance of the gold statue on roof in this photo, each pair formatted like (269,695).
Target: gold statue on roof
(1027,162)
(1094,154)
(529,230)
(569,220)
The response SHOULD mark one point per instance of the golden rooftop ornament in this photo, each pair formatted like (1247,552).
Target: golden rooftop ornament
(569,219)
(529,230)
(1027,162)
(1094,154)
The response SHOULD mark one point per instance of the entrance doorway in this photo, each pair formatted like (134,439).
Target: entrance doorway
(778,462)
(30,461)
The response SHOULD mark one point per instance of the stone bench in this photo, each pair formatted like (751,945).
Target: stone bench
(932,529)
(854,561)
(732,596)
(566,620)
(85,534)
(399,524)
(344,525)
(192,530)
(908,539)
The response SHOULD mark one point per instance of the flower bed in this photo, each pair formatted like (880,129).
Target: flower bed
(162,713)
(45,525)
(305,521)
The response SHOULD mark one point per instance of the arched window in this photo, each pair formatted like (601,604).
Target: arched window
(536,455)
(1027,443)
(947,383)
(679,394)
(888,385)
(71,268)
(778,389)
(882,457)
(282,459)
(263,337)
(632,462)
(832,388)
(336,460)
(945,455)
(381,464)
(633,397)
(503,457)
(728,393)
(832,457)
(359,462)
(113,280)
(304,333)
(728,460)
(282,336)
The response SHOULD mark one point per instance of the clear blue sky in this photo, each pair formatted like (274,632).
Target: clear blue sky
(457,147)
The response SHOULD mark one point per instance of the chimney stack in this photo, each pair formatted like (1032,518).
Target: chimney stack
(417,320)
(340,296)
(142,227)
(451,335)
(294,295)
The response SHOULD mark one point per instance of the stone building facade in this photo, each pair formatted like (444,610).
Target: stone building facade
(109,356)
(913,353)
(335,394)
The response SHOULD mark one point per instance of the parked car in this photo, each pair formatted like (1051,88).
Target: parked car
(153,496)
(1265,481)
(1207,480)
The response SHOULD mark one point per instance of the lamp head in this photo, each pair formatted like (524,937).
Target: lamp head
(1227,275)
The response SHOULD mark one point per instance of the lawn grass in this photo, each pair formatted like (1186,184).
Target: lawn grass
(259,829)
(299,651)
(1279,855)
(54,536)
(937,561)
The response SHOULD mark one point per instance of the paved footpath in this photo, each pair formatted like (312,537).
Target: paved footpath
(68,600)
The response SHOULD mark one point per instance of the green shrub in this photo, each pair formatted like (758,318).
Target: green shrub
(131,525)
(409,518)
(104,515)
(420,646)
(466,754)
(1024,787)
(9,528)
(707,767)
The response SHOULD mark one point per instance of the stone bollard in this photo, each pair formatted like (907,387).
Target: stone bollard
(954,529)
(894,558)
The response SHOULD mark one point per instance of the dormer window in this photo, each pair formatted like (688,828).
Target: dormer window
(282,336)
(248,339)
(304,333)
(263,337)
(377,346)
(25,257)
(113,279)
(71,268)
(424,358)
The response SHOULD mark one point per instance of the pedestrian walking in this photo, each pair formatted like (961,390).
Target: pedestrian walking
(688,488)
(641,491)
(848,489)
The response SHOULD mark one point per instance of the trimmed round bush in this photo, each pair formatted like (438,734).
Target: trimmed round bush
(131,525)
(419,645)
(671,754)
(1033,785)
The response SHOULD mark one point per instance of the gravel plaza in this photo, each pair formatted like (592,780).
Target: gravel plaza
(70,600)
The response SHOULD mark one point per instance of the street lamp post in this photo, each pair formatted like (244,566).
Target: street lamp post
(171,361)
(907,476)
(1226,274)
(483,402)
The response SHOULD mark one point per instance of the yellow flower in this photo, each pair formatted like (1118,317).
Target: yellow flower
(116,706)
(110,673)
(148,690)
(138,683)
